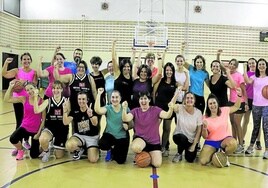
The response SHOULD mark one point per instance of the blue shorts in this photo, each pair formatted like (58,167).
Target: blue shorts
(215,144)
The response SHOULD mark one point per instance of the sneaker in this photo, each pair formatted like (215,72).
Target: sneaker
(46,156)
(14,152)
(108,156)
(41,154)
(77,154)
(265,155)
(165,152)
(26,145)
(239,149)
(258,145)
(20,154)
(250,150)
(177,158)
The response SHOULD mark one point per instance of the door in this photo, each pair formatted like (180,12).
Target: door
(14,64)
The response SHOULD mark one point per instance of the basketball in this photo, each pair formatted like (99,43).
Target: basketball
(219,159)
(18,86)
(265,91)
(143,159)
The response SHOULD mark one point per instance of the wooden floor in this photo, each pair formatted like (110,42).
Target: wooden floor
(249,171)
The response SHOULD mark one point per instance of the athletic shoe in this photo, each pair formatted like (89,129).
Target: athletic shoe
(77,154)
(258,145)
(239,149)
(26,145)
(20,154)
(250,150)
(46,156)
(177,158)
(108,156)
(165,152)
(14,152)
(265,155)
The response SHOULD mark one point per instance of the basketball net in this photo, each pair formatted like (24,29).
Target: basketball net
(150,44)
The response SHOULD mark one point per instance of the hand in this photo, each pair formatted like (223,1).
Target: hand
(205,124)
(125,104)
(56,65)
(36,92)
(125,126)
(58,48)
(227,70)
(89,111)
(36,136)
(192,148)
(219,51)
(100,91)
(9,60)
(239,91)
(12,83)
(66,105)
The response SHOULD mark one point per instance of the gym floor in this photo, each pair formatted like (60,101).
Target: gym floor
(245,171)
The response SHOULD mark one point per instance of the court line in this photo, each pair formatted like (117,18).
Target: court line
(154,176)
(6,112)
(2,124)
(1,139)
(252,169)
(34,171)
(5,148)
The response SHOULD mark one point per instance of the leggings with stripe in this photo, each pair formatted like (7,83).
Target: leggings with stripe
(260,113)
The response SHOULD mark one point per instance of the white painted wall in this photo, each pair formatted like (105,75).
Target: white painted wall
(222,12)
(1,5)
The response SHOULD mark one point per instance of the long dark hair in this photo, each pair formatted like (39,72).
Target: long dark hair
(208,112)
(173,80)
(257,71)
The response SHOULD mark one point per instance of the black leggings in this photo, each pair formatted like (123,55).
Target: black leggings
(120,149)
(183,145)
(18,109)
(21,133)
(200,103)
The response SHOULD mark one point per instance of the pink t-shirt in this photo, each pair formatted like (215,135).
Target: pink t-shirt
(27,76)
(219,127)
(238,79)
(146,124)
(51,80)
(31,121)
(258,84)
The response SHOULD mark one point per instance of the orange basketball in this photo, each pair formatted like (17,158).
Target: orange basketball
(18,87)
(143,159)
(265,91)
(219,159)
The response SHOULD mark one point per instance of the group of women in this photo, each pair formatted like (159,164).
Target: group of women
(135,95)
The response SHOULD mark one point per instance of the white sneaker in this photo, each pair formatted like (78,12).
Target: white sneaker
(78,153)
(165,152)
(46,156)
(177,158)
(227,162)
(250,150)
(239,149)
(265,155)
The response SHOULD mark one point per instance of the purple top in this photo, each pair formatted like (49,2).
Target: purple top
(249,87)
(146,124)
(31,121)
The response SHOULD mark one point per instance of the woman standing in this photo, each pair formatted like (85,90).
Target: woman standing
(198,76)
(188,128)
(163,92)
(31,123)
(236,117)
(146,126)
(24,74)
(216,129)
(48,72)
(79,82)
(260,104)
(250,71)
